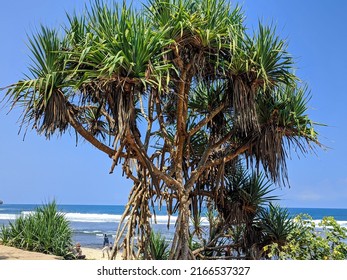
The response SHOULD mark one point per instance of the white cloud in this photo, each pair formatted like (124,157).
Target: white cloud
(309,196)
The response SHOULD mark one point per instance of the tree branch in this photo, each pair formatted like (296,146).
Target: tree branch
(204,164)
(182,116)
(86,134)
(141,154)
(161,119)
(206,119)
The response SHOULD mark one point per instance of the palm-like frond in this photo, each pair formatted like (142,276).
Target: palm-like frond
(170,16)
(245,195)
(257,64)
(287,108)
(198,142)
(41,93)
(103,19)
(269,58)
(215,20)
(94,123)
(276,224)
(284,123)
(203,23)
(76,30)
(158,246)
(119,45)
(207,96)
(256,192)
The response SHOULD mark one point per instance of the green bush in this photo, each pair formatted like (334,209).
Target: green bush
(45,231)
(158,246)
(306,242)
(275,224)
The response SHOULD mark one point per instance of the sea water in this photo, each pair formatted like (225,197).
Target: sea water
(90,222)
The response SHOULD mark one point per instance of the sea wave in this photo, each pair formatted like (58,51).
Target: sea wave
(102,218)
(8,216)
(341,223)
(114,218)
(109,218)
(93,218)
(73,217)
(90,217)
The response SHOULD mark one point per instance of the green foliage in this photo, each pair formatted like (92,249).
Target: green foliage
(158,246)
(246,194)
(210,93)
(276,224)
(45,231)
(306,242)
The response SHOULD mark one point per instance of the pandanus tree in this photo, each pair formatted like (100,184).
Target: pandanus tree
(175,93)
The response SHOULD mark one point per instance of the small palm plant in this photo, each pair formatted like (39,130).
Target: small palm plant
(276,224)
(158,246)
(45,231)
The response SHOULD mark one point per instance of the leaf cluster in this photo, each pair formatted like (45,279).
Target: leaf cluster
(309,242)
(245,221)
(45,231)
(158,246)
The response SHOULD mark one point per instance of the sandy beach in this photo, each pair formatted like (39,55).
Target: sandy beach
(11,253)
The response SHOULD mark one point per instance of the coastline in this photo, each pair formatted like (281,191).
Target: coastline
(12,253)
(90,222)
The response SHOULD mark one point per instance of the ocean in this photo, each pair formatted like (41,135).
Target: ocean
(90,222)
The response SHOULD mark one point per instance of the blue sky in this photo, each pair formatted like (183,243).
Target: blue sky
(36,170)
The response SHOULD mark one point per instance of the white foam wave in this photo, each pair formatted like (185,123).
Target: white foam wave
(93,218)
(96,232)
(110,218)
(342,223)
(72,217)
(163,220)
(113,218)
(101,218)
(318,226)
(8,216)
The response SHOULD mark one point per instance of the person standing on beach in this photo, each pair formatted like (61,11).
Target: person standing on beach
(106,247)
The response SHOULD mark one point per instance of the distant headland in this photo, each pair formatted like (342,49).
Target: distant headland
(1,202)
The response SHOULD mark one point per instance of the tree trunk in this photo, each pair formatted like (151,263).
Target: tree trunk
(180,249)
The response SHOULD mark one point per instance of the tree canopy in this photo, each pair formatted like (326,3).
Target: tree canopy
(180,94)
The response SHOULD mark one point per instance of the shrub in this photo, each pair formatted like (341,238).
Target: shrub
(45,231)
(158,246)
(276,225)
(306,242)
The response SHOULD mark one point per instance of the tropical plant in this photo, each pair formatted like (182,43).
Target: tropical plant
(276,224)
(158,246)
(239,225)
(45,230)
(307,242)
(271,225)
(175,93)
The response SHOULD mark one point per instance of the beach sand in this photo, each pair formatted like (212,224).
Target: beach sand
(11,253)
(96,254)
